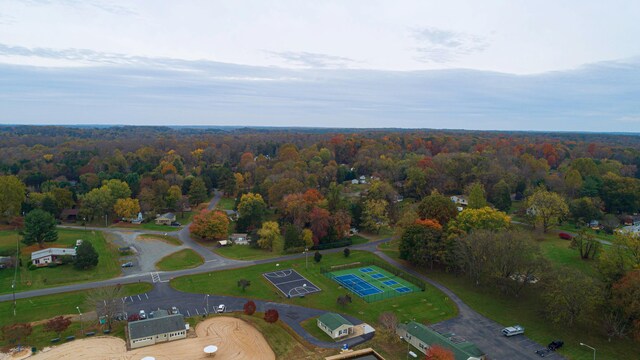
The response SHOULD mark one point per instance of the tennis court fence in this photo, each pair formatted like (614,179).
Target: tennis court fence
(326,271)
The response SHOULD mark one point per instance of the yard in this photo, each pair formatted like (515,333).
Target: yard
(226,203)
(245,252)
(108,266)
(526,310)
(428,306)
(183,259)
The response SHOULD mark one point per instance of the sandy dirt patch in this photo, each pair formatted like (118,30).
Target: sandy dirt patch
(235,339)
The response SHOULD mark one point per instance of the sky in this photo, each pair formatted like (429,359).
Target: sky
(504,65)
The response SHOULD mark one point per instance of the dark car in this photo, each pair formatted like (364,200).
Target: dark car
(175,223)
(555,345)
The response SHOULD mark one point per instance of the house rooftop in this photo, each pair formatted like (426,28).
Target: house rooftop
(333,320)
(170,216)
(462,349)
(159,325)
(52,251)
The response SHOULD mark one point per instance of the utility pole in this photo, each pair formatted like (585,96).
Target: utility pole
(81,329)
(306,258)
(15,274)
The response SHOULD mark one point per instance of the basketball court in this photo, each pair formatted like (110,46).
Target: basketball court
(291,283)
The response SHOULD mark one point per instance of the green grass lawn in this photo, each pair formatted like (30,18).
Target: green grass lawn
(108,266)
(183,259)
(226,203)
(526,310)
(357,239)
(599,234)
(45,307)
(171,240)
(429,306)
(245,252)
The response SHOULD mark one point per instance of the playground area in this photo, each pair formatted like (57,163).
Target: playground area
(372,283)
(291,283)
(235,339)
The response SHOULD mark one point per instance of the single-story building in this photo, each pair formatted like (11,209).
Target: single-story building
(460,200)
(155,330)
(239,239)
(51,255)
(354,181)
(69,215)
(165,219)
(335,325)
(422,337)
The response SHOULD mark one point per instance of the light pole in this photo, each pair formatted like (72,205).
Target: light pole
(84,221)
(105,220)
(594,349)
(206,297)
(81,329)
(306,258)
(15,273)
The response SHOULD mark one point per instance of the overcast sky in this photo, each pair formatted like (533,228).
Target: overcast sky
(525,65)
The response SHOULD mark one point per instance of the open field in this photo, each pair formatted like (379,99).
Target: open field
(108,265)
(428,306)
(226,203)
(183,259)
(171,240)
(526,310)
(245,252)
(235,339)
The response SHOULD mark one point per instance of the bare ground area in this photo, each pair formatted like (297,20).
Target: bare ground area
(234,338)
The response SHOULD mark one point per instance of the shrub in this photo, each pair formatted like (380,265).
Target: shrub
(32,267)
(249,308)
(271,315)
(317,256)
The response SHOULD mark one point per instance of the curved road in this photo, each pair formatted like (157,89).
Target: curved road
(469,324)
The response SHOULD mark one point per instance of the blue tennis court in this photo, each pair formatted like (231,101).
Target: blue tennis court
(366,270)
(357,285)
(403,290)
(390,282)
(377,276)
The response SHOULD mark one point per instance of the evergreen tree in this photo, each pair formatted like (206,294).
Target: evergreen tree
(477,197)
(86,256)
(39,226)
(197,191)
(501,196)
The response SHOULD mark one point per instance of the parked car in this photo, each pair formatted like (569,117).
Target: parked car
(555,345)
(513,330)
(127,264)
(175,223)
(142,314)
(174,310)
(221,308)
(565,236)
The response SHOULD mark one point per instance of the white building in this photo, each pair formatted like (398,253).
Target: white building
(156,330)
(335,325)
(51,255)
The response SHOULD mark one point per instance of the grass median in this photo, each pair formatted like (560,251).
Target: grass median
(183,259)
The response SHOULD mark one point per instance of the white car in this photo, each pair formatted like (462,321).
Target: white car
(513,330)
(221,308)
(143,315)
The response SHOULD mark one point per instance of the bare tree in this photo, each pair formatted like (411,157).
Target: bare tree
(107,302)
(388,321)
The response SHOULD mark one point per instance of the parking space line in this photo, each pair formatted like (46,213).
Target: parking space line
(188,314)
(130,298)
(145,294)
(206,312)
(139,298)
(197,311)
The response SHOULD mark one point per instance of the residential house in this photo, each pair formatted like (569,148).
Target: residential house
(45,257)
(422,337)
(7,262)
(354,181)
(363,179)
(69,215)
(460,200)
(594,224)
(239,239)
(160,328)
(335,325)
(165,219)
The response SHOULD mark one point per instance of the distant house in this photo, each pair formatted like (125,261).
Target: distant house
(51,255)
(422,337)
(69,215)
(232,214)
(633,230)
(335,325)
(7,262)
(165,219)
(363,179)
(594,224)
(138,219)
(354,181)
(460,200)
(239,239)
(160,328)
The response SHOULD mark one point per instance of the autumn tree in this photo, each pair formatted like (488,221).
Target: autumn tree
(307,238)
(584,209)
(249,307)
(127,208)
(174,195)
(501,197)
(437,352)
(622,256)
(422,244)
(570,296)
(319,223)
(118,188)
(210,225)
(57,324)
(39,227)
(197,191)
(474,219)
(388,321)
(438,207)
(374,215)
(16,333)
(269,234)
(477,196)
(546,208)
(586,244)
(12,195)
(251,211)
(625,296)
(344,300)
(271,315)
(97,202)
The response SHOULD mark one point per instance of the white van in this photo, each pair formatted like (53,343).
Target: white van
(513,330)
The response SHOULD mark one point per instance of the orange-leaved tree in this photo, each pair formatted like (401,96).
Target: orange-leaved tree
(210,225)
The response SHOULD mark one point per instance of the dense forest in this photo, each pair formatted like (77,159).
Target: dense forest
(302,188)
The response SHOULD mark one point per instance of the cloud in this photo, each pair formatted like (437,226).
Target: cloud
(7,19)
(443,46)
(312,60)
(106,6)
